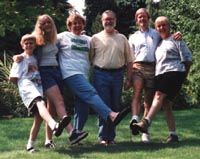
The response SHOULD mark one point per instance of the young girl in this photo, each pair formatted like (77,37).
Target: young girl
(27,77)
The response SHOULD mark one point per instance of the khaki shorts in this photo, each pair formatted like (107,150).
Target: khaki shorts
(146,72)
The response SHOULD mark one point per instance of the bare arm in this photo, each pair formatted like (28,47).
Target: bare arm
(18,58)
(13,79)
(187,67)
(127,83)
(177,35)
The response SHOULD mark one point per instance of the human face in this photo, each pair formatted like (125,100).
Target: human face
(163,28)
(77,26)
(142,21)
(45,24)
(29,46)
(108,22)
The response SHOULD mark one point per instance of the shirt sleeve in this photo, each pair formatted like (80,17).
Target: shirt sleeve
(184,51)
(131,44)
(91,52)
(130,57)
(16,70)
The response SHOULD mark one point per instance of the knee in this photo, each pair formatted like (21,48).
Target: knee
(159,95)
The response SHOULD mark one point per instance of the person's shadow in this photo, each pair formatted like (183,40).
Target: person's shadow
(89,147)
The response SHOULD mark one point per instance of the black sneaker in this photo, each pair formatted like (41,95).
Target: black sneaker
(61,125)
(133,121)
(141,126)
(51,144)
(121,115)
(172,138)
(77,136)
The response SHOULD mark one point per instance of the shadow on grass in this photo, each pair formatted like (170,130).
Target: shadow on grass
(123,147)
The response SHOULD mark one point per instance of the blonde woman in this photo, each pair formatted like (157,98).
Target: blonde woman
(46,53)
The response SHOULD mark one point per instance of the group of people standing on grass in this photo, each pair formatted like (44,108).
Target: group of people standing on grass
(154,61)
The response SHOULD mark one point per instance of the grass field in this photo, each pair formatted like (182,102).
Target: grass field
(14,134)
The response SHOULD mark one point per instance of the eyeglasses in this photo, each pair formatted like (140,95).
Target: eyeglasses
(108,19)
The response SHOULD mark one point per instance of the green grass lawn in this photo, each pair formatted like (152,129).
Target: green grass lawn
(14,134)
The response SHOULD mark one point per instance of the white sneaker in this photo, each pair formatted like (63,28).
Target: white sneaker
(145,137)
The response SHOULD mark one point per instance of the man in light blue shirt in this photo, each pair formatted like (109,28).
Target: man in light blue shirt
(173,61)
(144,43)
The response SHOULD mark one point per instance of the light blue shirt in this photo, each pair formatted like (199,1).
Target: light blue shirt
(144,45)
(170,55)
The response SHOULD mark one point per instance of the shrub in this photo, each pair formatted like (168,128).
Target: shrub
(10,102)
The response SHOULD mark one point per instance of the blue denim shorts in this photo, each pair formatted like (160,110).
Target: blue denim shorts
(51,76)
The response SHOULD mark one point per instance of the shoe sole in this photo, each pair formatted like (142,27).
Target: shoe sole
(133,130)
(79,139)
(31,150)
(136,128)
(62,125)
(121,115)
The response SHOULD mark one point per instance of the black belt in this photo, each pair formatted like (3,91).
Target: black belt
(145,63)
(109,69)
(48,66)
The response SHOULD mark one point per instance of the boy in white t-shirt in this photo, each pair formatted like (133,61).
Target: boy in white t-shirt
(25,74)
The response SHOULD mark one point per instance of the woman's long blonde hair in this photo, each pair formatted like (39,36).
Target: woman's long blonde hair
(41,37)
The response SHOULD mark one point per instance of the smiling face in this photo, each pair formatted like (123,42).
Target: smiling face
(28,46)
(45,24)
(77,26)
(163,27)
(108,21)
(142,19)
(75,23)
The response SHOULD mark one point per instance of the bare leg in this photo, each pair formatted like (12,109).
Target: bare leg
(169,116)
(44,113)
(34,132)
(54,96)
(136,102)
(156,104)
(35,127)
(148,98)
(52,111)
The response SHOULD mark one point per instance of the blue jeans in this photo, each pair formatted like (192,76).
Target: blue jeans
(81,88)
(81,111)
(109,87)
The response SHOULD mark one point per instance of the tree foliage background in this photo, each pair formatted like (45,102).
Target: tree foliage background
(18,17)
(124,9)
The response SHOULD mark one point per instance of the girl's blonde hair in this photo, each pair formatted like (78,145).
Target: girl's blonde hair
(43,38)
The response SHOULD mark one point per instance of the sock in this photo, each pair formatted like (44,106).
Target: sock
(149,120)
(172,132)
(47,141)
(70,133)
(135,117)
(29,144)
(52,124)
